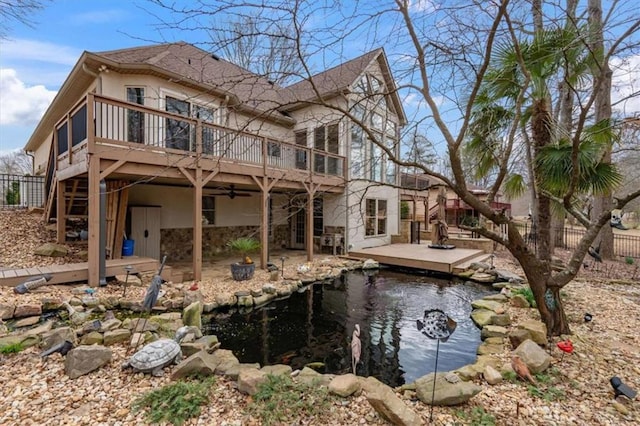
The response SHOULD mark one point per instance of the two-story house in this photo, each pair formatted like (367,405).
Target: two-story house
(181,151)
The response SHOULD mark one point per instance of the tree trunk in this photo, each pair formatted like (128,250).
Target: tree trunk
(547,298)
(541,134)
(602,81)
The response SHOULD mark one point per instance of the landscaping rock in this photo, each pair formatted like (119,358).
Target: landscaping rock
(446,393)
(482,317)
(504,275)
(225,299)
(132,280)
(311,377)
(85,359)
(483,277)
(263,300)
(517,336)
(192,315)
(50,304)
(496,297)
(386,403)
(269,289)
(370,264)
(345,385)
(491,375)
(28,310)
(225,361)
(535,357)
(519,301)
(92,338)
(249,379)
(233,372)
(488,349)
(501,320)
(245,301)
(538,330)
(277,370)
(7,310)
(191,296)
(200,363)
(51,250)
(490,305)
(116,336)
(109,325)
(26,322)
(57,336)
(493,331)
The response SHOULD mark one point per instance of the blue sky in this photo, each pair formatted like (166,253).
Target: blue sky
(34,61)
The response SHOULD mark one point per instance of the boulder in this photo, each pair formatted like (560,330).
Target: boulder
(51,250)
(491,375)
(249,379)
(269,289)
(277,370)
(109,325)
(263,300)
(51,304)
(345,385)
(504,275)
(517,336)
(192,315)
(538,330)
(482,317)
(140,325)
(519,301)
(535,357)
(85,359)
(496,297)
(483,277)
(311,377)
(386,403)
(446,393)
(209,307)
(225,299)
(200,363)
(116,336)
(233,372)
(490,305)
(40,330)
(493,331)
(191,296)
(488,349)
(245,301)
(26,322)
(57,336)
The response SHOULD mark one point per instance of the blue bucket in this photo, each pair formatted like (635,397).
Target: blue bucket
(127,247)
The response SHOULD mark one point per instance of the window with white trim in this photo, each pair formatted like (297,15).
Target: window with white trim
(376,217)
(135,119)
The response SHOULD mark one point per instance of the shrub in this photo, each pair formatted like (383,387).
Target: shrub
(243,246)
(477,417)
(175,403)
(628,260)
(281,400)
(528,294)
(13,348)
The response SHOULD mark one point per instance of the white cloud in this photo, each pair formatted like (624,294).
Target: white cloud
(40,51)
(426,6)
(19,104)
(625,93)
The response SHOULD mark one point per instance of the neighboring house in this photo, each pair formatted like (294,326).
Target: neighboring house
(421,192)
(192,151)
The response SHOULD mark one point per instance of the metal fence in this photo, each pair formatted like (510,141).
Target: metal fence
(21,192)
(569,237)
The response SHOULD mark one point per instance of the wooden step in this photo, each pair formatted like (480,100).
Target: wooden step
(464,264)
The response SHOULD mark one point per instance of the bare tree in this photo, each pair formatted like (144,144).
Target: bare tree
(446,55)
(20,11)
(16,163)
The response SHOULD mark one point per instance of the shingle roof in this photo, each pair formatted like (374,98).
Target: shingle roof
(332,80)
(198,66)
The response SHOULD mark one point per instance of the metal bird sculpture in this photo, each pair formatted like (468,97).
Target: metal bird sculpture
(62,348)
(356,348)
(595,253)
(521,369)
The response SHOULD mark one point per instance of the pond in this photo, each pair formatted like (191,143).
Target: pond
(316,324)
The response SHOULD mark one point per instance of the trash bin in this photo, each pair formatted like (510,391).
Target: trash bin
(127,247)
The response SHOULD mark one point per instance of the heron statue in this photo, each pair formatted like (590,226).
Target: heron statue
(356,348)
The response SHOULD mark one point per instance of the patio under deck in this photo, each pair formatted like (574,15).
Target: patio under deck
(73,272)
(421,256)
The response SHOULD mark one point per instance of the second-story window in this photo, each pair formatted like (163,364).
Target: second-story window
(301,154)
(326,138)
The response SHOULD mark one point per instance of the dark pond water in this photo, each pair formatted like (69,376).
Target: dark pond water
(315,325)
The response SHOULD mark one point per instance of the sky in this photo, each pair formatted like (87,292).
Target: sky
(35,60)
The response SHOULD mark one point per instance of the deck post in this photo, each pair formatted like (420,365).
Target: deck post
(197,207)
(311,191)
(61,218)
(94,220)
(264,224)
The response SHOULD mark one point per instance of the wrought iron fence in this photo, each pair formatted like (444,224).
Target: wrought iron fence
(569,237)
(21,192)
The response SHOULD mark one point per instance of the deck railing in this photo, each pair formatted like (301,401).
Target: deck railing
(122,123)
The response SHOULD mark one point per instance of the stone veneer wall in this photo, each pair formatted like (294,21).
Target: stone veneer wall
(177,243)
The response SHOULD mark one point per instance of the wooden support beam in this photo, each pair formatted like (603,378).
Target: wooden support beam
(311,192)
(72,195)
(189,176)
(61,218)
(197,205)
(264,223)
(94,220)
(112,168)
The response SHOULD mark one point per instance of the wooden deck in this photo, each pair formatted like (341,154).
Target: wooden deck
(420,256)
(74,272)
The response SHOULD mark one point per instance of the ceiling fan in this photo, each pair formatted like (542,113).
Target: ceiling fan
(232,193)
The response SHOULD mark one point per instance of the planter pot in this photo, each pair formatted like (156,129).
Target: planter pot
(242,271)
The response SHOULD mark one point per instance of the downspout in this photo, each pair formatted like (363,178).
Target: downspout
(103,233)
(33,162)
